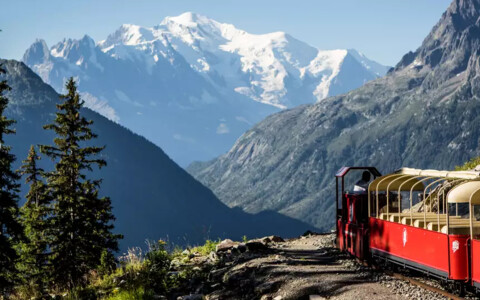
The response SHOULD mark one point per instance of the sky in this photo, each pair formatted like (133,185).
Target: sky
(384,30)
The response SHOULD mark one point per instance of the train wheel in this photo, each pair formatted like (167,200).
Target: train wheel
(459,288)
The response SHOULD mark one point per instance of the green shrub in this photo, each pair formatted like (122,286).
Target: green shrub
(469,165)
(135,294)
(156,266)
(108,263)
(207,248)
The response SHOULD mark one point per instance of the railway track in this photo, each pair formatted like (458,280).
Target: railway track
(424,285)
(414,281)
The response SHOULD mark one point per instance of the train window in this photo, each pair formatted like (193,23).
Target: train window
(354,177)
(351,211)
(373,204)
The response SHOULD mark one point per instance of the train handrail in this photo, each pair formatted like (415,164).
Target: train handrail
(451,183)
(400,193)
(411,195)
(424,199)
(388,195)
(471,211)
(378,183)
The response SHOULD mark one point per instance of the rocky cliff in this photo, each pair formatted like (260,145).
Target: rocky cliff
(425,113)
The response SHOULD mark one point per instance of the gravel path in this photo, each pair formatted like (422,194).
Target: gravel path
(310,268)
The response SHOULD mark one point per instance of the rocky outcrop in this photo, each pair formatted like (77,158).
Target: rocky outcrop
(302,268)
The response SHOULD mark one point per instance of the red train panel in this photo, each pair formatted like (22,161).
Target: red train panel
(459,261)
(475,262)
(352,234)
(415,246)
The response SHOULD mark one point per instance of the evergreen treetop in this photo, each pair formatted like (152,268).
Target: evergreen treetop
(82,220)
(10,228)
(35,216)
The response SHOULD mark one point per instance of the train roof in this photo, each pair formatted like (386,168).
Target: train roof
(409,179)
(439,174)
(468,192)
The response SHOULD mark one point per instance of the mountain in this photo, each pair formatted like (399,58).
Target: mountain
(193,85)
(152,196)
(424,113)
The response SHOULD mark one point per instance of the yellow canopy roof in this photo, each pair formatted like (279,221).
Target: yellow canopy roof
(437,173)
(393,182)
(465,192)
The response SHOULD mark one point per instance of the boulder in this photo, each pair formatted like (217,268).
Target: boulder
(265,240)
(255,246)
(240,247)
(276,239)
(213,256)
(225,245)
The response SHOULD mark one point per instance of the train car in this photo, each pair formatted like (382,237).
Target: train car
(426,220)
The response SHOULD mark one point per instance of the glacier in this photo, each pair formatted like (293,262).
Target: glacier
(193,85)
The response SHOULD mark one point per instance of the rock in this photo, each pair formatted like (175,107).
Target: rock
(255,246)
(191,297)
(265,240)
(200,260)
(266,297)
(308,233)
(278,298)
(215,286)
(263,288)
(213,256)
(216,275)
(225,245)
(241,247)
(316,297)
(276,239)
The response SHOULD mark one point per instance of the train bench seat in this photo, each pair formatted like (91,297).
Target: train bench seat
(454,222)
(384,216)
(421,222)
(407,220)
(399,217)
(461,229)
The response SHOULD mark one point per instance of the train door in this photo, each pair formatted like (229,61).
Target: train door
(352,211)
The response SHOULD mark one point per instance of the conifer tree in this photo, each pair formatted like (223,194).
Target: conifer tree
(35,215)
(82,220)
(10,228)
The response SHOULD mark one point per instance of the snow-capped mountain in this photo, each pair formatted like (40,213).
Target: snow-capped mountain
(193,85)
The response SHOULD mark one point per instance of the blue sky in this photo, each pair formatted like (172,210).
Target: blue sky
(383,30)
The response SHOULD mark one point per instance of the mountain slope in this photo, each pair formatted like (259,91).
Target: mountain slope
(425,113)
(152,196)
(193,85)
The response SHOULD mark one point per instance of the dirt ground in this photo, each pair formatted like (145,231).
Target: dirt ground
(310,268)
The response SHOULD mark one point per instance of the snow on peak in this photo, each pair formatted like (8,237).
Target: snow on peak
(128,34)
(262,67)
(254,65)
(188,19)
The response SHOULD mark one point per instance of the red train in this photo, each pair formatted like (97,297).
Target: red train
(425,220)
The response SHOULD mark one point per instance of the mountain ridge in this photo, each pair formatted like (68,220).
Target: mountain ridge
(219,78)
(152,197)
(424,114)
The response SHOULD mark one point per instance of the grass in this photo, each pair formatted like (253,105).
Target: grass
(136,294)
(207,248)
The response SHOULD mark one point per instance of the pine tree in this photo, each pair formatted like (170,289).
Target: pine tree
(82,221)
(35,215)
(10,228)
